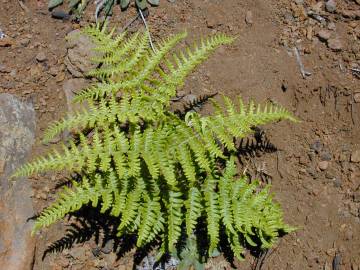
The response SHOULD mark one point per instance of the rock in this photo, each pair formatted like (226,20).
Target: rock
(6,42)
(355,156)
(324,35)
(41,57)
(24,42)
(4,69)
(312,172)
(316,146)
(323,165)
(110,259)
(213,21)
(335,44)
(356,197)
(331,26)
(325,156)
(337,182)
(54,71)
(17,135)
(353,14)
(13,73)
(71,88)
(357,97)
(60,77)
(80,52)
(330,6)
(108,246)
(78,253)
(249,18)
(60,15)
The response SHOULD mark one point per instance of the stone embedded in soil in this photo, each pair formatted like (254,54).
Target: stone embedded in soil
(355,156)
(335,44)
(331,26)
(357,97)
(316,146)
(324,35)
(323,165)
(249,18)
(17,135)
(325,156)
(6,42)
(108,246)
(24,42)
(71,88)
(80,52)
(356,196)
(353,14)
(41,57)
(330,6)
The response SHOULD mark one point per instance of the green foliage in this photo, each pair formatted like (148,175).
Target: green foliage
(78,6)
(189,256)
(159,173)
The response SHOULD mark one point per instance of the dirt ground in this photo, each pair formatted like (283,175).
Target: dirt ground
(315,172)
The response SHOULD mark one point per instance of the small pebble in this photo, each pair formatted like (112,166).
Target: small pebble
(60,14)
(330,6)
(4,69)
(355,156)
(249,19)
(325,156)
(316,146)
(108,246)
(25,42)
(323,165)
(357,97)
(356,196)
(41,57)
(324,35)
(337,182)
(331,26)
(335,44)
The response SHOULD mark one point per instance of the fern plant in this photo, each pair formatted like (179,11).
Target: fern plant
(160,173)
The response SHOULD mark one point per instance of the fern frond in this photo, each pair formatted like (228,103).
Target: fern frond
(225,185)
(174,207)
(150,213)
(132,208)
(212,212)
(193,209)
(187,63)
(69,200)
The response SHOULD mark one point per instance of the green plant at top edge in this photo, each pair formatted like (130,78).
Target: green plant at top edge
(159,173)
(78,6)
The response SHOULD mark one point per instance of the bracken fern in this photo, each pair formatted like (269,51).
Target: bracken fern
(158,173)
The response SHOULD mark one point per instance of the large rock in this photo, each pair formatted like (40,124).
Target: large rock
(71,88)
(80,52)
(17,135)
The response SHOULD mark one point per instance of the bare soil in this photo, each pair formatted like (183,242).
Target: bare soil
(312,173)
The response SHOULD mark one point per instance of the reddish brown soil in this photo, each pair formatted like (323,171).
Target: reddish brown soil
(322,204)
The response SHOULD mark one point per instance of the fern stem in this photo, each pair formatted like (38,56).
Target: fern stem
(147,30)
